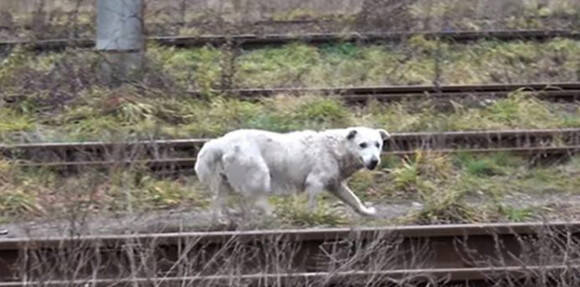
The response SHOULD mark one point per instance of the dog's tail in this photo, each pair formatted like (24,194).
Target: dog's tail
(208,166)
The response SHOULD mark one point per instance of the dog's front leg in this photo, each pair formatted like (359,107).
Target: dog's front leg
(314,186)
(346,195)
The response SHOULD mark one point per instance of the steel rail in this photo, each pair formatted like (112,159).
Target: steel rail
(395,137)
(565,91)
(413,89)
(181,153)
(566,95)
(458,276)
(189,162)
(447,256)
(299,235)
(313,38)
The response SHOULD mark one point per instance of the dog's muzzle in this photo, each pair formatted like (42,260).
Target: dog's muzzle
(372,164)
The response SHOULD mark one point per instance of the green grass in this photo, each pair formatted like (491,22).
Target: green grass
(347,64)
(68,101)
(197,68)
(515,214)
(468,187)
(450,189)
(516,111)
(496,164)
(29,194)
(124,113)
(14,122)
(294,211)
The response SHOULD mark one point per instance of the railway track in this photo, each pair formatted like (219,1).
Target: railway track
(553,92)
(178,154)
(544,91)
(246,40)
(515,254)
(160,154)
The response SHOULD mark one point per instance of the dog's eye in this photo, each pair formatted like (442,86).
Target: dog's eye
(377,145)
(363,145)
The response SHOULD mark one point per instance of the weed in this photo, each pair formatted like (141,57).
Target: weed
(494,61)
(20,191)
(422,168)
(406,176)
(321,112)
(13,121)
(293,210)
(157,193)
(193,69)
(518,111)
(12,65)
(286,66)
(496,164)
(336,52)
(446,206)
(17,202)
(515,214)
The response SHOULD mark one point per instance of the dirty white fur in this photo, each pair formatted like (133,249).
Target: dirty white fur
(256,163)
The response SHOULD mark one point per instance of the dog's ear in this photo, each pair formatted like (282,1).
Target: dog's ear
(384,134)
(351,134)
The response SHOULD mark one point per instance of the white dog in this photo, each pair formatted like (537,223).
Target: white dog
(256,163)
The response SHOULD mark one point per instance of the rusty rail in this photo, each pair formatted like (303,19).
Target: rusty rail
(312,38)
(546,91)
(469,253)
(181,153)
(455,276)
(555,92)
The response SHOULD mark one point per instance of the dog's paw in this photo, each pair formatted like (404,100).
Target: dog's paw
(370,211)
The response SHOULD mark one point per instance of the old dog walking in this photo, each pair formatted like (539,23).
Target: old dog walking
(257,163)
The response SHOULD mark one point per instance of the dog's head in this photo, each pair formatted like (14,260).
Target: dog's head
(366,144)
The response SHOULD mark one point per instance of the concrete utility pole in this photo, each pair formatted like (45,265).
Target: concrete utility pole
(120,38)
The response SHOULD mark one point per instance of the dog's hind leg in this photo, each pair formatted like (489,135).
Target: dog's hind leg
(348,197)
(220,190)
(256,190)
(263,204)
(249,176)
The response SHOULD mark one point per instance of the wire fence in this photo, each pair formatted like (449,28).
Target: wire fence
(76,18)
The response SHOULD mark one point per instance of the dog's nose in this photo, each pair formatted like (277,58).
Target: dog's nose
(374,162)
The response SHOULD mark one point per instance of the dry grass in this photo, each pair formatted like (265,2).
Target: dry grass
(462,188)
(40,105)
(126,113)
(76,18)
(62,97)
